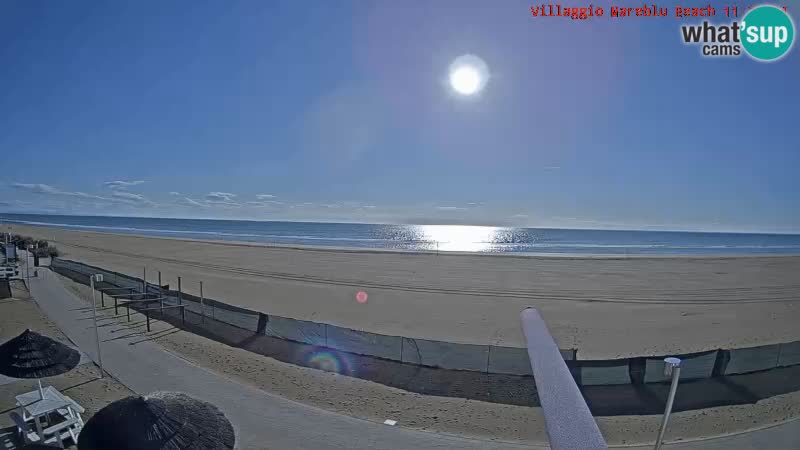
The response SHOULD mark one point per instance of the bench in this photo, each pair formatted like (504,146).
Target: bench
(58,432)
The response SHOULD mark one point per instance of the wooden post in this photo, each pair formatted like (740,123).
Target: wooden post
(202,305)
(128,308)
(161,294)
(180,301)
(144,280)
(102,299)
(147,314)
(116,310)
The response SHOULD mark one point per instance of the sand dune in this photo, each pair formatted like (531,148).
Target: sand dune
(604,307)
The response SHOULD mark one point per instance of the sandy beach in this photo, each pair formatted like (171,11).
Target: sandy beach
(603,307)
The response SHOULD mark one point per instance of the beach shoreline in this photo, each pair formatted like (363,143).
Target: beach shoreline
(605,307)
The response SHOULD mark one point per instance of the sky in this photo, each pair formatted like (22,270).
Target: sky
(342,111)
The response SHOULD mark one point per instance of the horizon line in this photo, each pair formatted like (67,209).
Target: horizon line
(789,233)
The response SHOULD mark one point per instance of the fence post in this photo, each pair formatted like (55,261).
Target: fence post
(116,309)
(180,302)
(202,305)
(128,308)
(147,314)
(144,280)
(102,299)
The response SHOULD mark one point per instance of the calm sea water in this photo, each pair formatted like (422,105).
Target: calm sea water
(432,237)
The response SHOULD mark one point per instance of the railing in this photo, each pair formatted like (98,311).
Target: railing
(570,424)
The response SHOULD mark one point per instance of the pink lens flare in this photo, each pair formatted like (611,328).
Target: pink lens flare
(361,297)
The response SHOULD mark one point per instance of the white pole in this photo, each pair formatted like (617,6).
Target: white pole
(94,318)
(672,366)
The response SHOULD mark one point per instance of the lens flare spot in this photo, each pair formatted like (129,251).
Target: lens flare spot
(328,360)
(362,297)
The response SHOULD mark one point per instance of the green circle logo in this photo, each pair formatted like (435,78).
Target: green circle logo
(767,33)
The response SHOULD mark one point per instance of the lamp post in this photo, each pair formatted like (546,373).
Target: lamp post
(96,277)
(672,366)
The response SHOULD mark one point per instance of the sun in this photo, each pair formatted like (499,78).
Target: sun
(468,75)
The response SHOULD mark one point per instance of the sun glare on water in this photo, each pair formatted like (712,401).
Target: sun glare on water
(468,75)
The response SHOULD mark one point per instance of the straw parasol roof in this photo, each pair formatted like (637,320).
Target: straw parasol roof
(31,355)
(161,420)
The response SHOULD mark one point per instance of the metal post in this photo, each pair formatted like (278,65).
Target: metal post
(161,293)
(147,314)
(144,280)
(202,305)
(128,308)
(116,310)
(96,334)
(672,366)
(103,299)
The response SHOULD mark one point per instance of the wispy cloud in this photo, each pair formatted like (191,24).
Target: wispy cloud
(122,184)
(117,197)
(134,199)
(552,167)
(175,194)
(264,196)
(220,196)
(186,201)
(450,208)
(39,188)
(222,199)
(520,216)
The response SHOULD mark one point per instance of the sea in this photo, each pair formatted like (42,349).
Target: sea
(444,238)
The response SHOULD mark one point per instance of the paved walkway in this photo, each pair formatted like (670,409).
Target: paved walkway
(262,420)
(268,421)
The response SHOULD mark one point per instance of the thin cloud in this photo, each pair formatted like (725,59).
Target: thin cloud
(186,201)
(122,184)
(125,198)
(265,196)
(134,199)
(450,208)
(520,216)
(552,167)
(39,188)
(220,196)
(263,204)
(176,194)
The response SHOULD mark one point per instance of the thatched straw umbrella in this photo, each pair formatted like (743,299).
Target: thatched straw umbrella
(161,420)
(31,355)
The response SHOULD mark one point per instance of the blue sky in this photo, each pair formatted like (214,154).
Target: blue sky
(341,111)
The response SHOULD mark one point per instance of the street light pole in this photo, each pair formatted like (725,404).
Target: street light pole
(672,366)
(99,278)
